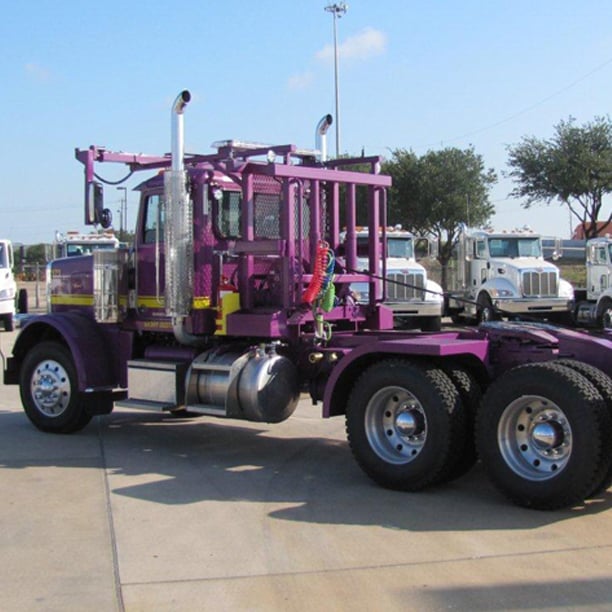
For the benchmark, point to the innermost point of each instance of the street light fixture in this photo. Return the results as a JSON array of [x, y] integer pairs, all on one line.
[[337, 10], [123, 212]]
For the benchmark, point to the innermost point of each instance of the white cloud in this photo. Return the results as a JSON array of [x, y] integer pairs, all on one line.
[[367, 43], [300, 81], [37, 72]]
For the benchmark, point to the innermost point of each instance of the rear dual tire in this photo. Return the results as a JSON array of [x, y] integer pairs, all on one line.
[[543, 435], [406, 424]]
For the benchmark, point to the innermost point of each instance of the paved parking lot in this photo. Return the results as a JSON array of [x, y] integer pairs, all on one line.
[[142, 511]]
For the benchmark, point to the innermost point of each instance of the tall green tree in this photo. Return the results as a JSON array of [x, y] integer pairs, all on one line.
[[573, 167], [438, 193]]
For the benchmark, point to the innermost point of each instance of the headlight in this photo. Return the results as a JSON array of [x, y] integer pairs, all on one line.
[[433, 297], [502, 293]]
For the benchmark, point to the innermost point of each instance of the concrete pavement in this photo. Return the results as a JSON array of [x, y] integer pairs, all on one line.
[[142, 511]]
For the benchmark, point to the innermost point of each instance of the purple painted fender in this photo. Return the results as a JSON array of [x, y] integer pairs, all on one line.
[[92, 350], [434, 346]]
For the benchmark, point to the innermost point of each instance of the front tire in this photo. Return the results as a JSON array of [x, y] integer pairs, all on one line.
[[485, 309], [541, 436], [604, 314], [49, 392], [405, 424]]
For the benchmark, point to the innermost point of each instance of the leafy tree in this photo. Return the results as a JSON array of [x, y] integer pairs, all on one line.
[[574, 167], [438, 193], [36, 254]]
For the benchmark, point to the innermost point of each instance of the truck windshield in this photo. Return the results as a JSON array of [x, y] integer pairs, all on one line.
[[400, 247], [75, 249], [515, 247]]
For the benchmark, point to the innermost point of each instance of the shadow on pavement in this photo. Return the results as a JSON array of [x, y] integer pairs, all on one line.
[[172, 461]]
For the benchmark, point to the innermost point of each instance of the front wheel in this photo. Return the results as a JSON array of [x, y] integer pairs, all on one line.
[[48, 388], [485, 309], [604, 314], [405, 424], [541, 436]]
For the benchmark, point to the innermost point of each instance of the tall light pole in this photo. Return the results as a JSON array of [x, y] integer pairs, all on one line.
[[123, 212], [337, 10]]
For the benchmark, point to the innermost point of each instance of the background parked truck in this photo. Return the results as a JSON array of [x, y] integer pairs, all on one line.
[[74, 243], [415, 299], [594, 303], [505, 273], [233, 303], [8, 286]]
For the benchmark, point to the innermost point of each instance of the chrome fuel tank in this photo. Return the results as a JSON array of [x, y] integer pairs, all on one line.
[[257, 385]]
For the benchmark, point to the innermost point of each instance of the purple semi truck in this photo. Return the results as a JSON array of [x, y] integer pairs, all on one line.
[[234, 301]]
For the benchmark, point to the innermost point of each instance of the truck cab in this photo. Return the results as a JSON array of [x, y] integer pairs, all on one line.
[[594, 303], [505, 274], [416, 300], [74, 244], [7, 285]]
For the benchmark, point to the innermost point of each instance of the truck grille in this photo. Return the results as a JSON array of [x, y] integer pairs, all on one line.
[[405, 287], [540, 284]]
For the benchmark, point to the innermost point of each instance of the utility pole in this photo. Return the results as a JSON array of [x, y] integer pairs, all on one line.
[[337, 10]]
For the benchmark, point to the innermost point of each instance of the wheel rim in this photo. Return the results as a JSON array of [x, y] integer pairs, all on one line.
[[535, 438], [50, 388], [486, 310], [606, 318], [486, 314], [396, 425]]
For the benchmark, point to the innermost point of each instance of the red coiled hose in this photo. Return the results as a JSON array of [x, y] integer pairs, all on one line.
[[318, 274]]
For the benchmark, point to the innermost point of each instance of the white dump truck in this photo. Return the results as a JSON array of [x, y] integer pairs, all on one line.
[[496, 274], [594, 303], [416, 300], [8, 286]]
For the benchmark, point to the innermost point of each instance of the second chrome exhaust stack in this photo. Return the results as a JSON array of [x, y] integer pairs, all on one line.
[[321, 135]]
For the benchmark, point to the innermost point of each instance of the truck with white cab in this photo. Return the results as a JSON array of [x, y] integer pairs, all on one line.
[[504, 274], [415, 299], [594, 303], [75, 243], [8, 287]]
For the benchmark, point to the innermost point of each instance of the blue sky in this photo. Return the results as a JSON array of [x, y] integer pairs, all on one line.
[[418, 75]]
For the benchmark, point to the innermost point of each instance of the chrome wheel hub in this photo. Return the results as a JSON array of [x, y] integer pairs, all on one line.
[[534, 437], [50, 388], [396, 425]]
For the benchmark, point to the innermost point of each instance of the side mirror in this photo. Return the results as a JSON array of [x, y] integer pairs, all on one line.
[[94, 202], [95, 213]]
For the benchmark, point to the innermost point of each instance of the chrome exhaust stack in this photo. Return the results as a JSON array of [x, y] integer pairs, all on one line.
[[178, 230], [321, 136]]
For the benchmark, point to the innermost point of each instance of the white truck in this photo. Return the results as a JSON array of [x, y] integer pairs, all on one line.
[[416, 300], [8, 286], [74, 243], [498, 274], [594, 304]]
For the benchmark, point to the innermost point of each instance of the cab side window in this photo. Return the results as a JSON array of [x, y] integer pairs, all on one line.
[[153, 229]]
